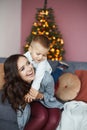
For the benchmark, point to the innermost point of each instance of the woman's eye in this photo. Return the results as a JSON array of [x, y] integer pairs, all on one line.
[[22, 69]]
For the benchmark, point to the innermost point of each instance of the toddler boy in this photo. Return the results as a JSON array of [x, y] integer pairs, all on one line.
[[37, 55]]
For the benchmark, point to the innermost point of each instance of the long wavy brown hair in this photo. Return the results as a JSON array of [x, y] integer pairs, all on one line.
[[14, 88]]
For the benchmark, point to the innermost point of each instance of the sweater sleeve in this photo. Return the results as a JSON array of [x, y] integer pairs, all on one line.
[[40, 71]]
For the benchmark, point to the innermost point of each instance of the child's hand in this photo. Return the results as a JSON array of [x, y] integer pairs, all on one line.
[[33, 92], [32, 95], [40, 96], [28, 98]]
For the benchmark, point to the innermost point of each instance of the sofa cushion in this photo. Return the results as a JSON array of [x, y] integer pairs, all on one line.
[[1, 75], [69, 86], [82, 95]]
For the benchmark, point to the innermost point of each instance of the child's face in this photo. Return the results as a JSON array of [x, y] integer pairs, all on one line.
[[25, 69], [38, 52]]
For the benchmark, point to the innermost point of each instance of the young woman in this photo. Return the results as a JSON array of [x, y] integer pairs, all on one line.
[[19, 74]]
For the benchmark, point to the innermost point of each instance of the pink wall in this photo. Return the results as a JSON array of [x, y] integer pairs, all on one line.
[[71, 18]]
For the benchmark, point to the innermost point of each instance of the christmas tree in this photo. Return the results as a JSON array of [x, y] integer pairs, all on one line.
[[45, 25]]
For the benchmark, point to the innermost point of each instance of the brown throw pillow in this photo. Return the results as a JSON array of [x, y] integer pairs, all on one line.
[[69, 86], [1, 75], [82, 95]]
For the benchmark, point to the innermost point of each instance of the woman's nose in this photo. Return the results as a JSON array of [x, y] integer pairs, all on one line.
[[29, 68]]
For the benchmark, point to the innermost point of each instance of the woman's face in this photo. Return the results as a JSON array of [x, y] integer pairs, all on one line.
[[25, 69]]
